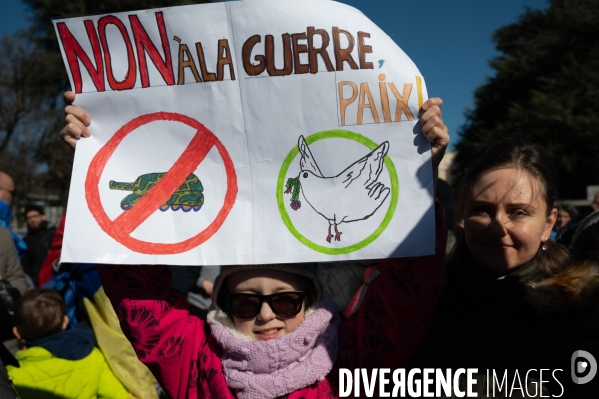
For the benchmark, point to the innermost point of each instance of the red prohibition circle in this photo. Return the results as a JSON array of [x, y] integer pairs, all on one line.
[[122, 226]]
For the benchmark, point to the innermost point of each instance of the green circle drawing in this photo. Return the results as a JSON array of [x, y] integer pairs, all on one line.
[[343, 134]]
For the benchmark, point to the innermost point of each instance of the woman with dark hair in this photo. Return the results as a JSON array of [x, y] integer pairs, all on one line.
[[516, 305]]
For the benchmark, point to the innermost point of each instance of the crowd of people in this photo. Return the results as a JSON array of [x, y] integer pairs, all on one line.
[[521, 294]]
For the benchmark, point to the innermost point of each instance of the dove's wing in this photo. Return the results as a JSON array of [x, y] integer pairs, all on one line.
[[366, 170], [354, 194], [307, 161]]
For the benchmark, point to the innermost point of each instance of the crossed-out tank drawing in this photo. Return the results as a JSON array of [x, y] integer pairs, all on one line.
[[190, 195]]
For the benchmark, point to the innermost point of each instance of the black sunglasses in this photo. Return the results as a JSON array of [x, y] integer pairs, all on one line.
[[283, 304]]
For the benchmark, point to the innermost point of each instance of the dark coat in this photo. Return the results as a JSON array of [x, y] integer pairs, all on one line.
[[8, 300], [6, 389], [510, 324], [38, 242], [10, 266]]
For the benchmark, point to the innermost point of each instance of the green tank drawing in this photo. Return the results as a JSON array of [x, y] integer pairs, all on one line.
[[189, 196]]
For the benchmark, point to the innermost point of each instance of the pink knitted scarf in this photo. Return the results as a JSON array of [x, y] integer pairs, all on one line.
[[277, 367]]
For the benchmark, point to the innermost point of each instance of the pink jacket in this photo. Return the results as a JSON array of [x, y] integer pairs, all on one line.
[[183, 356]]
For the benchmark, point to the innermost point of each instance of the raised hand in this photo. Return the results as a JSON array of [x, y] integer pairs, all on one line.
[[76, 122]]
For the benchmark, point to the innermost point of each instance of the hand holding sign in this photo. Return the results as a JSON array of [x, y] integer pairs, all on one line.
[[434, 130], [76, 121], [255, 82]]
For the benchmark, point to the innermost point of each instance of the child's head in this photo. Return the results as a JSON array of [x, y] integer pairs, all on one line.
[[39, 313], [565, 213], [267, 301], [506, 207]]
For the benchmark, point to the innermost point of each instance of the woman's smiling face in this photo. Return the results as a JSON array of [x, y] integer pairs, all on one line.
[[506, 219], [266, 324]]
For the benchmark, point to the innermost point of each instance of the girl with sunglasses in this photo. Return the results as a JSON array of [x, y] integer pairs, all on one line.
[[272, 332]]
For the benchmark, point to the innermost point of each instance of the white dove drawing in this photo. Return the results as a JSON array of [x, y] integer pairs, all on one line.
[[352, 195]]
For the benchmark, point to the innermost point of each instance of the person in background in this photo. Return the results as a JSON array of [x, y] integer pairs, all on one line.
[[12, 278], [566, 234], [7, 188], [595, 204], [6, 389], [51, 264], [10, 266], [8, 299], [13, 283], [57, 362], [39, 237], [585, 241], [7, 195], [199, 295], [516, 302], [565, 213]]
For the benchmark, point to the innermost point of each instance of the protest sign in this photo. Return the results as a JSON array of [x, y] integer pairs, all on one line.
[[245, 132]]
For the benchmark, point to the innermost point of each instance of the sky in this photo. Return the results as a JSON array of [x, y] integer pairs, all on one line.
[[449, 41]]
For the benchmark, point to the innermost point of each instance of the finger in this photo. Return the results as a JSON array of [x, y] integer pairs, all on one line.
[[434, 120], [436, 132], [68, 138], [77, 113], [438, 137], [68, 97], [433, 101], [72, 132], [71, 119], [433, 111]]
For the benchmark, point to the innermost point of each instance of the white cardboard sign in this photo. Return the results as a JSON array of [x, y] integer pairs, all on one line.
[[245, 133]]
